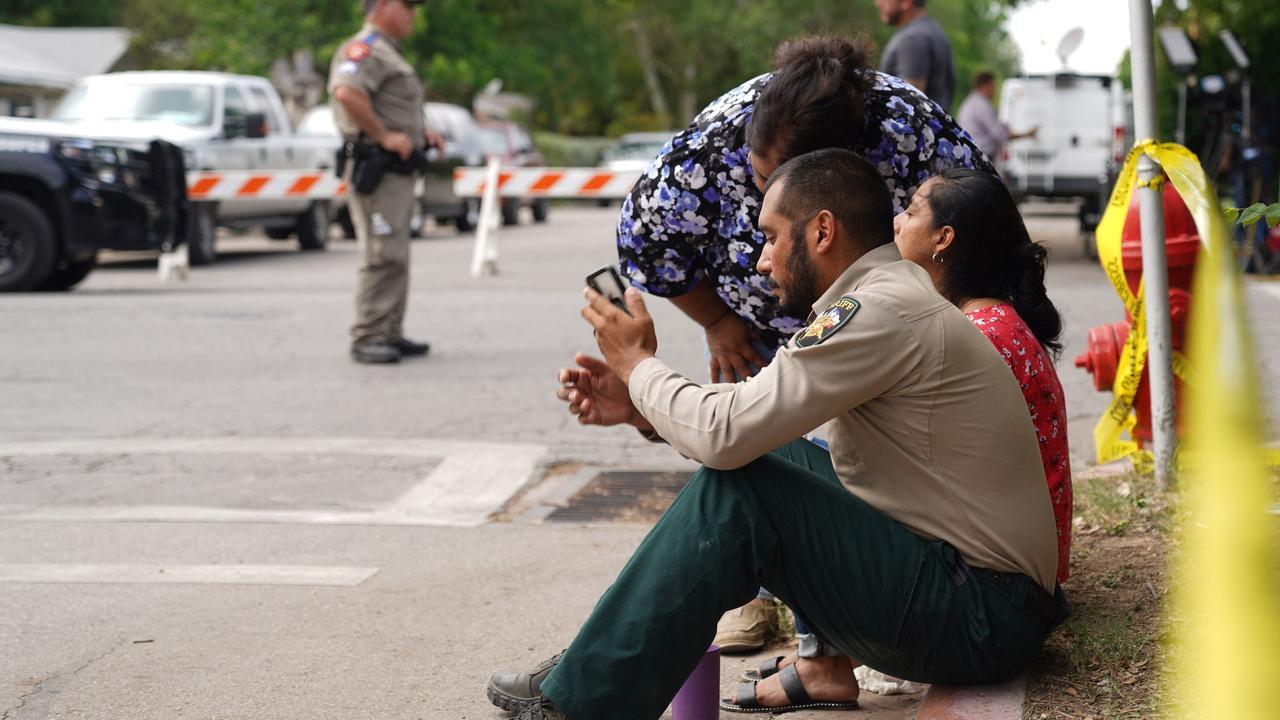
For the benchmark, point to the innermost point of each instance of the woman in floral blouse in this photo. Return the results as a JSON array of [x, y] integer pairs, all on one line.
[[692, 216]]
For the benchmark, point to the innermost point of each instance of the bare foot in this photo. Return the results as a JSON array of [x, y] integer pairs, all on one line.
[[826, 679]]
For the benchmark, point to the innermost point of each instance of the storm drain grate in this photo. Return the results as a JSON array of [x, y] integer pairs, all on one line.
[[622, 496]]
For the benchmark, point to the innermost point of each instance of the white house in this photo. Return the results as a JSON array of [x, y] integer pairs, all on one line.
[[39, 64]]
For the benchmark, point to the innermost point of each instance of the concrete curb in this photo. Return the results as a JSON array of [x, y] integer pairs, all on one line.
[[975, 702]]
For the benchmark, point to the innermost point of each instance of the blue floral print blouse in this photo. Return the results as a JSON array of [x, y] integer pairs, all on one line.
[[692, 215]]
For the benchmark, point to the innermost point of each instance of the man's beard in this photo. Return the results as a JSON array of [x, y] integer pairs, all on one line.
[[801, 291]]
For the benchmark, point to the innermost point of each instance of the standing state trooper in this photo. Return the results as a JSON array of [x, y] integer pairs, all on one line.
[[378, 109], [921, 545]]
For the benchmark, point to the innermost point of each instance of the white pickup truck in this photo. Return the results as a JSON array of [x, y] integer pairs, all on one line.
[[222, 122]]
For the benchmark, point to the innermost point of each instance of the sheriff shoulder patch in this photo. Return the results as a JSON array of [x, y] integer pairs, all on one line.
[[358, 51], [831, 320]]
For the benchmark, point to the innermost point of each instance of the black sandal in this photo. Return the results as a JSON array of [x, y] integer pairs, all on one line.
[[797, 697], [767, 668]]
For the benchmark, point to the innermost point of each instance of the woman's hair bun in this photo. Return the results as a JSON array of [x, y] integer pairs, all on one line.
[[827, 56]]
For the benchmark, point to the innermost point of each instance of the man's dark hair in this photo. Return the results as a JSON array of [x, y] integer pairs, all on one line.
[[815, 99], [843, 183], [369, 5], [983, 78]]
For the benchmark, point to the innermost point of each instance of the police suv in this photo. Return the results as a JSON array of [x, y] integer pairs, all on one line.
[[63, 198]]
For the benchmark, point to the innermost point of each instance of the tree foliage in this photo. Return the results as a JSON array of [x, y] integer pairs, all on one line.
[[592, 66]]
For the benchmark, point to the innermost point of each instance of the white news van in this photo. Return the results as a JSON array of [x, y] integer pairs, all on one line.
[[1083, 135]]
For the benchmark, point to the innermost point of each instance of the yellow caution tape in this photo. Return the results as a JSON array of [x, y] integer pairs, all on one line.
[[1225, 586], [1119, 419]]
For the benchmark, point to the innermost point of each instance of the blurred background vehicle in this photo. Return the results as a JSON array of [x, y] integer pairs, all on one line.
[[318, 129], [634, 151], [462, 147], [63, 198], [222, 122], [1083, 135], [514, 147]]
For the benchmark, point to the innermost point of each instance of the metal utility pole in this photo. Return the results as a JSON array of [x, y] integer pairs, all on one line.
[[1155, 266]]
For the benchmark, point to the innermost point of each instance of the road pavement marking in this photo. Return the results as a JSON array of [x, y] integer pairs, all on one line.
[[472, 481], [188, 574]]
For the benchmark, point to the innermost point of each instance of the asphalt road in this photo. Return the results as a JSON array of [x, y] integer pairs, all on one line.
[[208, 511]]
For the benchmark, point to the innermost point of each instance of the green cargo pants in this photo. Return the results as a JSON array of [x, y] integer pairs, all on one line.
[[876, 591]]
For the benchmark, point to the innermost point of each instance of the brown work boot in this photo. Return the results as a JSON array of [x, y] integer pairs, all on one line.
[[745, 629]]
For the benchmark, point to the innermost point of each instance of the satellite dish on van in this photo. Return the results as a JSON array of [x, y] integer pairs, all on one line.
[[1069, 44]]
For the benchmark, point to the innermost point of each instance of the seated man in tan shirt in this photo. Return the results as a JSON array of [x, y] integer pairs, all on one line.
[[922, 545]]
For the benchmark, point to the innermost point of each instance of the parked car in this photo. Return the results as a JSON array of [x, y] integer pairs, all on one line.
[[463, 148], [1081, 138], [64, 197], [514, 147], [223, 122], [318, 129], [633, 152]]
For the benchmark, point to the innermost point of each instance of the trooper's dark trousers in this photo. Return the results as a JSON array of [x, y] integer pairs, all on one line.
[[876, 591]]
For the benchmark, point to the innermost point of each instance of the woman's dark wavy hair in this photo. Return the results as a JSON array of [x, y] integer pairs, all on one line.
[[992, 254], [816, 98]]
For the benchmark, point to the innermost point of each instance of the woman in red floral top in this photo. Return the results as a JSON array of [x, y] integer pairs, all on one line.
[[964, 229]]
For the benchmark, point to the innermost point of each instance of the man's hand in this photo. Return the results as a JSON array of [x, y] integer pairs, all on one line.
[[626, 340], [435, 140], [398, 143], [597, 395], [732, 350]]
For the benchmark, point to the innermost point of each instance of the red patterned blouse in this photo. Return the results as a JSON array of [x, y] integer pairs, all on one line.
[[1033, 367]]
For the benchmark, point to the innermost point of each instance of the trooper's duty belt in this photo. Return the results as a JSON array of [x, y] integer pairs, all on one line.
[[370, 162]]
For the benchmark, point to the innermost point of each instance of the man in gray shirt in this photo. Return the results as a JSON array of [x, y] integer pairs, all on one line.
[[978, 117], [919, 52]]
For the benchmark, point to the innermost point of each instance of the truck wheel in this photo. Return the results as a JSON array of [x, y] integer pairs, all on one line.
[[313, 226], [27, 250], [511, 212], [540, 210], [470, 217], [201, 234], [69, 273]]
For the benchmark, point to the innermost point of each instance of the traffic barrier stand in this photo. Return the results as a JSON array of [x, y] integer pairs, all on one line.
[[174, 265], [484, 256]]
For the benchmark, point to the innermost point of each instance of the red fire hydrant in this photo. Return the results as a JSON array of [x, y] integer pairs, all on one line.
[[1182, 244]]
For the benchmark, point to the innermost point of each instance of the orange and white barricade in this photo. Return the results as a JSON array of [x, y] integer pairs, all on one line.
[[546, 182], [493, 182], [213, 185]]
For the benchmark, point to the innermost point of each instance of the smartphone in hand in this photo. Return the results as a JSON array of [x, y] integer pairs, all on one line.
[[607, 282]]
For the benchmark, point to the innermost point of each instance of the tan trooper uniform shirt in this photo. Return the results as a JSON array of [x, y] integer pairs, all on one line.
[[371, 61], [927, 423]]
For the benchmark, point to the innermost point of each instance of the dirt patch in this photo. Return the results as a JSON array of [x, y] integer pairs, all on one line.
[[1104, 661], [623, 496]]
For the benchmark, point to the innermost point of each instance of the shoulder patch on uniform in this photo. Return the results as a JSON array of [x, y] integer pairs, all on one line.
[[832, 319], [358, 51], [348, 68]]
